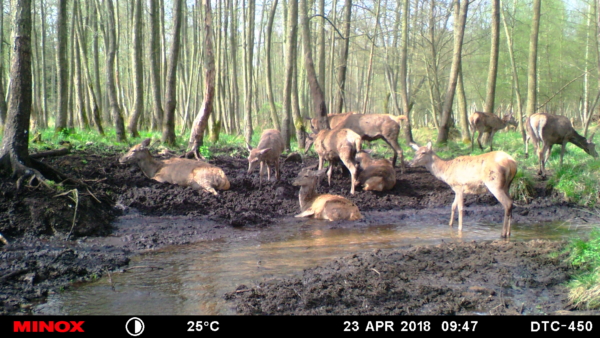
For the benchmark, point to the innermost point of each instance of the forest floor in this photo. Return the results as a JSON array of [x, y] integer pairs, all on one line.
[[495, 277]]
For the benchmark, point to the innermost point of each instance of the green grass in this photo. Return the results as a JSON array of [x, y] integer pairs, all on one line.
[[585, 287]]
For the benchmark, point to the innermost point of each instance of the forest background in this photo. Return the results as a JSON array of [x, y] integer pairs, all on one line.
[[106, 64]]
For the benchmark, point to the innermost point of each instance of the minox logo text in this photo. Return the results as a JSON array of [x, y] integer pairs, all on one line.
[[47, 326]]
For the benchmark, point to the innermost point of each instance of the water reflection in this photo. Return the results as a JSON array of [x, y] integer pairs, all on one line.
[[191, 280]]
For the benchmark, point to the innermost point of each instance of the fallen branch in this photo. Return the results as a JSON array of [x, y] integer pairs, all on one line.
[[55, 152]]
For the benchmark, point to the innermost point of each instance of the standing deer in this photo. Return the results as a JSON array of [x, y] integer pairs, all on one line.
[[180, 171], [378, 175], [370, 127], [324, 206], [472, 175], [334, 145], [488, 123], [267, 153], [550, 130]]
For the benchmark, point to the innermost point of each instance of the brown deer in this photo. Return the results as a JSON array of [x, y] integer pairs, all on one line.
[[335, 145], [267, 153], [550, 130], [378, 175], [370, 127], [488, 123], [180, 171], [472, 175], [322, 206]]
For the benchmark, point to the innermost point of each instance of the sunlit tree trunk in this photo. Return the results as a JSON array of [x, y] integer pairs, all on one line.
[[290, 61], [111, 51], [3, 107], [273, 109], [249, 57], [493, 67], [62, 84], [532, 64], [138, 75], [168, 135], [339, 102], [406, 106], [460, 18], [157, 108]]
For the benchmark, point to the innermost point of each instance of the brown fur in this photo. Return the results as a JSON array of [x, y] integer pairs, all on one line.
[[550, 130], [325, 206], [488, 123], [493, 171], [267, 153], [334, 145], [180, 171], [378, 175], [370, 127]]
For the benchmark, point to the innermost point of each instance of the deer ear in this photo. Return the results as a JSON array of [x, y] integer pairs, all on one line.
[[146, 142], [414, 146], [263, 151], [248, 146], [429, 145]]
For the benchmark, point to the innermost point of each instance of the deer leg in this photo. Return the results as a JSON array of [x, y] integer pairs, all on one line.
[[503, 196], [278, 170], [320, 162], [479, 140], [329, 171], [473, 137], [260, 172], [562, 152], [492, 141], [454, 206]]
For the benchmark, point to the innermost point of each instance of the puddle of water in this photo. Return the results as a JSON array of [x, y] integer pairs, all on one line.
[[191, 280]]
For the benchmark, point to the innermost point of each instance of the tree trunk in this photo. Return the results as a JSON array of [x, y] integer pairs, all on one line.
[[319, 105], [168, 135], [493, 68], [62, 68], [532, 64], [290, 61], [138, 75], [111, 51], [462, 108], [197, 136], [341, 74], [157, 108], [406, 106], [273, 109], [461, 8], [372, 53], [249, 57], [3, 107]]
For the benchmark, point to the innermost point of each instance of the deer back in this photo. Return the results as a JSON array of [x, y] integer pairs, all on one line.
[[269, 149]]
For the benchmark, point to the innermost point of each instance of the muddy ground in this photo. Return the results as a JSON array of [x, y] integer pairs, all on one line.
[[49, 250]]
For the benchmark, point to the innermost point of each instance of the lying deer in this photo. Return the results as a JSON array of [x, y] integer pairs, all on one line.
[[550, 130], [324, 206], [267, 153], [370, 127], [180, 171], [334, 145], [378, 175], [488, 123], [472, 175]]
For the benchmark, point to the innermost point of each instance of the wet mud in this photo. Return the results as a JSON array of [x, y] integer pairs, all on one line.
[[63, 236]]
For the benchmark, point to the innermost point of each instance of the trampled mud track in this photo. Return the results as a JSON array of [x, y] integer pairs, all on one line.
[[494, 277]]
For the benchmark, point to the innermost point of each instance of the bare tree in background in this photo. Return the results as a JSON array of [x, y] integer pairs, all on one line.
[[532, 67], [168, 136], [62, 67], [201, 121], [138, 75], [341, 73]]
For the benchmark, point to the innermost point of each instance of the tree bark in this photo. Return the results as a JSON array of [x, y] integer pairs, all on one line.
[[406, 106], [157, 108], [341, 73], [62, 68], [532, 63], [493, 67], [319, 105], [3, 107], [249, 57], [290, 60], [200, 122], [168, 136], [111, 51], [138, 75], [461, 8], [273, 109]]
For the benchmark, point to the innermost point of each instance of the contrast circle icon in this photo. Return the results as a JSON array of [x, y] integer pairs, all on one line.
[[134, 326]]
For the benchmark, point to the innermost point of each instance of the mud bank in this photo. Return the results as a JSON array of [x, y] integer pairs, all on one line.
[[40, 259]]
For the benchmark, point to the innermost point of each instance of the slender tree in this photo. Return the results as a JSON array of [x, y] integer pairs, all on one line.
[[273, 109], [406, 106], [248, 62], [62, 67], [138, 75], [494, 52], [290, 60], [532, 64], [3, 107], [168, 135], [461, 8], [201, 120], [341, 69], [111, 51]]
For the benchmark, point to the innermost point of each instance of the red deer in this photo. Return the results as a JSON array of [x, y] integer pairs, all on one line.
[[322, 206], [370, 127], [180, 171], [378, 175], [267, 153], [550, 130], [472, 175], [334, 145], [488, 123]]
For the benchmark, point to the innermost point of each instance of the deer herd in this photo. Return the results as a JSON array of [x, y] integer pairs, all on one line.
[[493, 171]]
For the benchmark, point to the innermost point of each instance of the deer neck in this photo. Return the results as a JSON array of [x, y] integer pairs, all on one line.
[[579, 141], [306, 196], [150, 166], [438, 167]]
